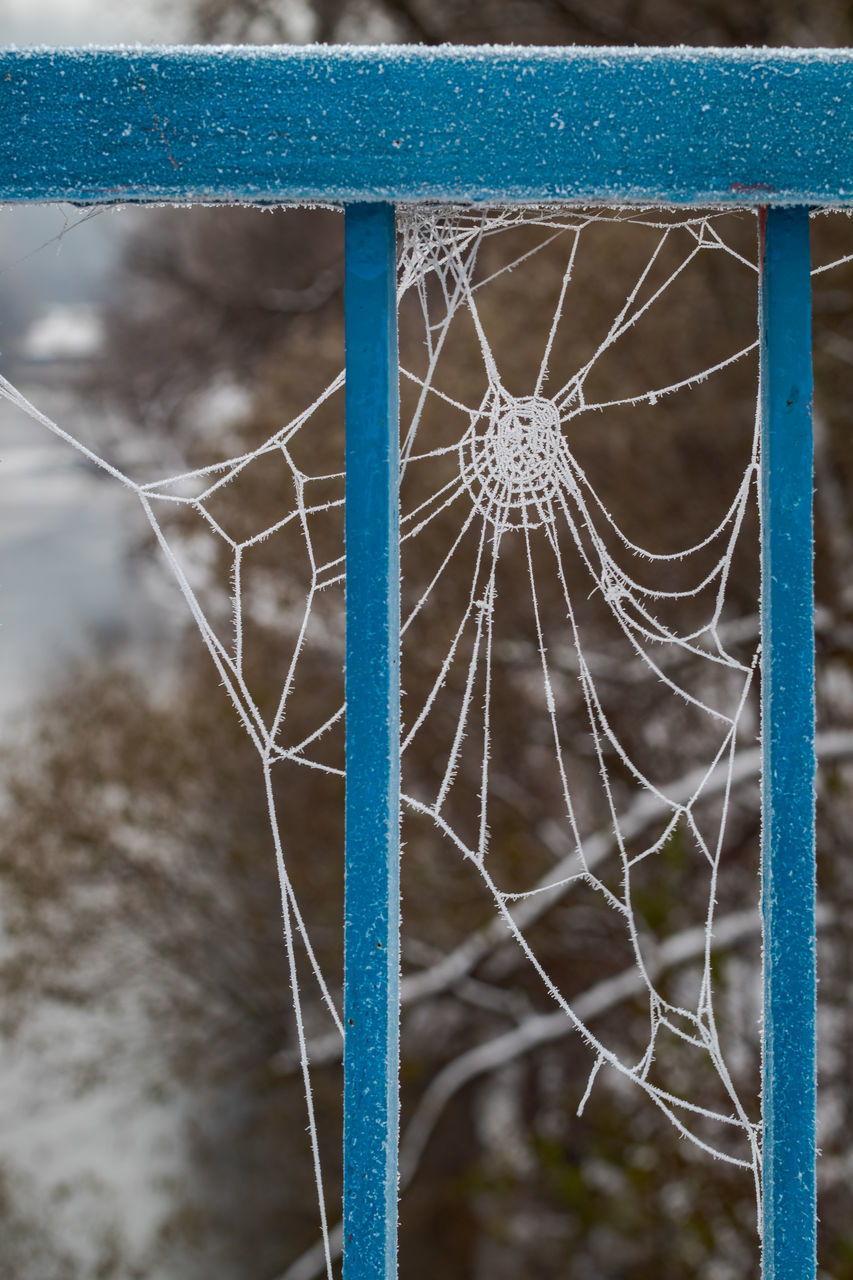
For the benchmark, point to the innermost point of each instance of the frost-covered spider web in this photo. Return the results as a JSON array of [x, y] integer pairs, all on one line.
[[555, 590], [574, 690]]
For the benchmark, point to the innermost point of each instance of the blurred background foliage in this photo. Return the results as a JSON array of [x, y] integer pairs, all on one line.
[[137, 873]]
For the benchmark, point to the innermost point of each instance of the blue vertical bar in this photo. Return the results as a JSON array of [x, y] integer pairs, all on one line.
[[787, 685], [372, 913]]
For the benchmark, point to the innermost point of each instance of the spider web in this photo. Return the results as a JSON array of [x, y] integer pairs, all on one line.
[[517, 489], [520, 590]]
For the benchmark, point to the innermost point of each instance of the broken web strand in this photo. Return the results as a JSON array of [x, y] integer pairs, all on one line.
[[449, 252], [209, 481]]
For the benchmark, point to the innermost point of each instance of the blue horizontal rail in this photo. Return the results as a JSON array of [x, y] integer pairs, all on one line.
[[678, 126]]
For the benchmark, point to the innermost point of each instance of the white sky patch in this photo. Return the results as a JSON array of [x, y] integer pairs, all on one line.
[[76, 22], [35, 22], [64, 333]]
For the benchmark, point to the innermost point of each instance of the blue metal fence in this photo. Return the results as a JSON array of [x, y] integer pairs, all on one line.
[[372, 913], [370, 128], [788, 795]]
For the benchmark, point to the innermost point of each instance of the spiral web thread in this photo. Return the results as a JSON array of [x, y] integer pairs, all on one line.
[[514, 482]]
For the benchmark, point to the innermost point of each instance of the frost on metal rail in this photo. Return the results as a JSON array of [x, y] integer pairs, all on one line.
[[503, 124], [371, 128]]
